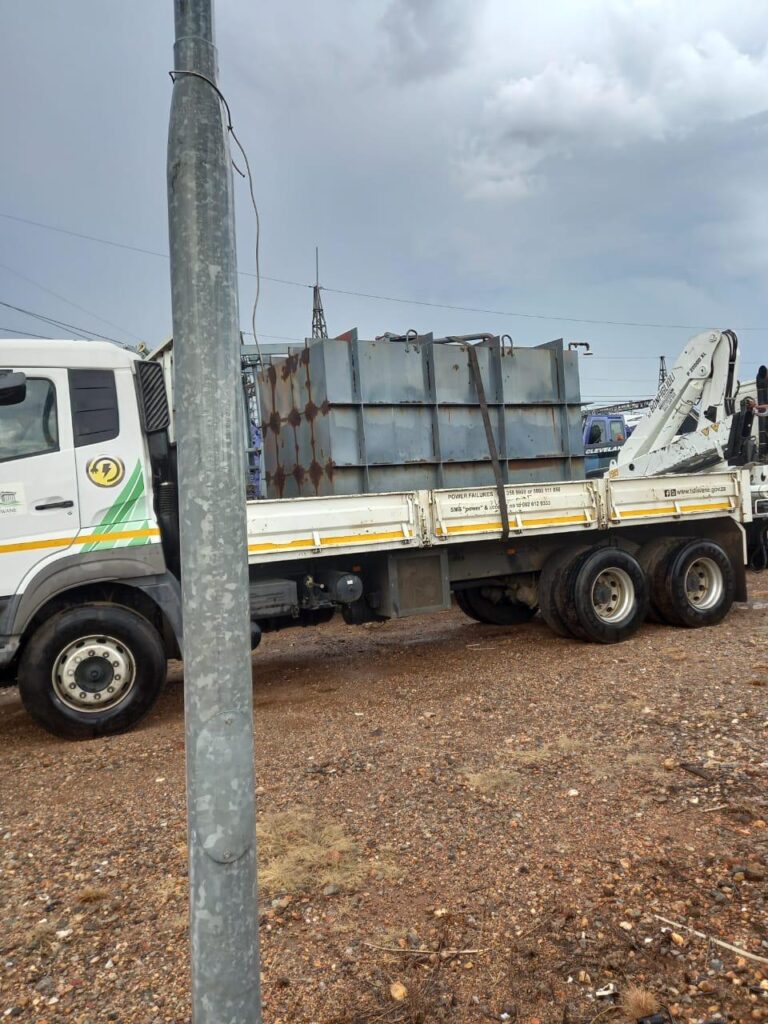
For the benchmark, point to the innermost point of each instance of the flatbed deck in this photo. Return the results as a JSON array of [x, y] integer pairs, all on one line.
[[292, 528]]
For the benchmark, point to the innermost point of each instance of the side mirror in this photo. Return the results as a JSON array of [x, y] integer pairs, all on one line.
[[13, 387]]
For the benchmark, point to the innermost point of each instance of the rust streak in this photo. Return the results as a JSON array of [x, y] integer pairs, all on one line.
[[316, 475]]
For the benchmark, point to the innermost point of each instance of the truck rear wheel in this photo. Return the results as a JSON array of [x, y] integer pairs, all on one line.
[[606, 598], [652, 558], [91, 670], [482, 608], [552, 582], [695, 585]]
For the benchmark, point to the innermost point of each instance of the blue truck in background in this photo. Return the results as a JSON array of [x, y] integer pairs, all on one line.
[[604, 432]]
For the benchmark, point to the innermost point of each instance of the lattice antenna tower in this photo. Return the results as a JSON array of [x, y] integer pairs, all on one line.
[[319, 327], [662, 369]]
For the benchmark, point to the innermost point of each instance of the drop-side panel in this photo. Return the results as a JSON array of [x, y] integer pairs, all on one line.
[[462, 515], [292, 528], [672, 498]]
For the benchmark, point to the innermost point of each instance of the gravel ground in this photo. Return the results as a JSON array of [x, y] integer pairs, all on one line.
[[458, 823]]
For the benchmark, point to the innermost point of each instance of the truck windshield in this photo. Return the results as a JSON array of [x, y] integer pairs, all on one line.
[[596, 432], [31, 427]]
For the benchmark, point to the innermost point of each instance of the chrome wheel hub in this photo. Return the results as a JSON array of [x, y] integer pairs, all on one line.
[[613, 595], [704, 584], [94, 673]]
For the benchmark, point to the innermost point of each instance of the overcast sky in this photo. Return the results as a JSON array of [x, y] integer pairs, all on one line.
[[595, 159]]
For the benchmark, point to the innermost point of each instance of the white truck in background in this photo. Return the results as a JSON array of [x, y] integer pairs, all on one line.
[[90, 605]]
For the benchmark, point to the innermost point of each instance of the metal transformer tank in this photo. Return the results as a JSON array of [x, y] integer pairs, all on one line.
[[348, 416]]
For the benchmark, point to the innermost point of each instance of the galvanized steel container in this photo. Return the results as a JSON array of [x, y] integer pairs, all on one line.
[[345, 416]]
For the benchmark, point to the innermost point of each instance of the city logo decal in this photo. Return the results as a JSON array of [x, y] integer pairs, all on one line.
[[105, 471], [9, 502]]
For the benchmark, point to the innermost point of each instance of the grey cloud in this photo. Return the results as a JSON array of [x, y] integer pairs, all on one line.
[[427, 38], [651, 82]]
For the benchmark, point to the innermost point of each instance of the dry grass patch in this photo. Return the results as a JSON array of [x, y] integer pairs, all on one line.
[[178, 923], [301, 851], [169, 888], [41, 936], [649, 761], [91, 894], [529, 757], [638, 1002], [495, 780], [640, 757]]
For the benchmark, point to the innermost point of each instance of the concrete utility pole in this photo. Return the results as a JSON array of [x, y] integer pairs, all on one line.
[[209, 429]]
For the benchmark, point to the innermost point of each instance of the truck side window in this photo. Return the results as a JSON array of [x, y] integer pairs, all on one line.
[[617, 431], [596, 433], [95, 417], [31, 427]]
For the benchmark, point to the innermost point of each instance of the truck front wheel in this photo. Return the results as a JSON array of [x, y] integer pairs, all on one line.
[[91, 670]]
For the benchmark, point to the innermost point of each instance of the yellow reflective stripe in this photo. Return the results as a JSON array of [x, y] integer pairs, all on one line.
[[539, 521], [118, 535], [353, 538], [671, 510], [83, 538], [34, 545]]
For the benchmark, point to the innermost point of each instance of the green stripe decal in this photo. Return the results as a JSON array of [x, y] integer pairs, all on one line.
[[137, 541], [120, 512]]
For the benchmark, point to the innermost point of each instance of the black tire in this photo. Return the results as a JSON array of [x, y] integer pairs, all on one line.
[[607, 596], [57, 652], [695, 585], [463, 603], [477, 606], [551, 583], [652, 558]]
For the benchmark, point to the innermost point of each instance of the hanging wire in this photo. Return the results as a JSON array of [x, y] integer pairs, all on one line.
[[249, 176]]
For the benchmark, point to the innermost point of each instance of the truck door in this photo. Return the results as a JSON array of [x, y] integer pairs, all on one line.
[[595, 439], [39, 512]]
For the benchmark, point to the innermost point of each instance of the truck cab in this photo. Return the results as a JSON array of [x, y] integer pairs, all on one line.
[[78, 530], [603, 434]]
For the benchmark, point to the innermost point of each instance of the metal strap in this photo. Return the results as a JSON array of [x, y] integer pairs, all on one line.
[[474, 367]]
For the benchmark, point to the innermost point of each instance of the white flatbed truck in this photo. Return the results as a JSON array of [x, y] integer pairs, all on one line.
[[90, 599]]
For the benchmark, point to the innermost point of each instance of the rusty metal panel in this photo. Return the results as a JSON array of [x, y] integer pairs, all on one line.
[[343, 416]]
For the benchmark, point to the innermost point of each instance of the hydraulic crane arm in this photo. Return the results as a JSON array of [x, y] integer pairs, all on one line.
[[704, 378]]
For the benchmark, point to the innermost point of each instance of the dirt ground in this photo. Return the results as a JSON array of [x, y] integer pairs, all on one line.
[[457, 823]]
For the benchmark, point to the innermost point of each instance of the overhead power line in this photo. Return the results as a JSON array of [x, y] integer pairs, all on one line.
[[134, 248], [530, 316], [15, 332], [558, 318], [69, 302], [80, 234], [80, 331]]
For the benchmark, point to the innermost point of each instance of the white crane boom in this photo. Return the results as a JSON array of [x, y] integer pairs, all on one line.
[[702, 383]]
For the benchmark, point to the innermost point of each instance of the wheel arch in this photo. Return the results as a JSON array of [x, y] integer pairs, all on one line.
[[156, 599]]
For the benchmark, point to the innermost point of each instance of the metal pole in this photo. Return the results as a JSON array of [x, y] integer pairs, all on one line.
[[209, 429]]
